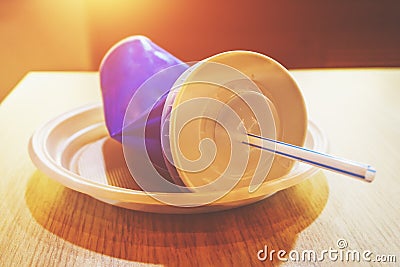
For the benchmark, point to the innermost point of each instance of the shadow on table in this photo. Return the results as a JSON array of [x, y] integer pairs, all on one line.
[[226, 237]]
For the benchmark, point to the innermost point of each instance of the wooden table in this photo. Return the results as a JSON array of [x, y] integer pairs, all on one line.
[[43, 223]]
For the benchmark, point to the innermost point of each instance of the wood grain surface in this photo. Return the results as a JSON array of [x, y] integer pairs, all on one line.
[[43, 223]]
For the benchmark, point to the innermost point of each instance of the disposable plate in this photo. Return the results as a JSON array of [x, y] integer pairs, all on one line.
[[75, 150]]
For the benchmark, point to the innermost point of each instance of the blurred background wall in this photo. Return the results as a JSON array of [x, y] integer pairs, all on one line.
[[41, 35], [75, 34]]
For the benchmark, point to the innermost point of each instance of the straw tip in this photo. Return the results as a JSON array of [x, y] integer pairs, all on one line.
[[370, 174]]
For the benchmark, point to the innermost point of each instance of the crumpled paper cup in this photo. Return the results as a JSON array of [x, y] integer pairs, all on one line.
[[141, 85]]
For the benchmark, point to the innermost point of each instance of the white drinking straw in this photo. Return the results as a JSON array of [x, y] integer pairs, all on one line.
[[357, 170]]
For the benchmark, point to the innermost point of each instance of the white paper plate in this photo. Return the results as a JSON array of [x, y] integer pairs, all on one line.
[[75, 150]]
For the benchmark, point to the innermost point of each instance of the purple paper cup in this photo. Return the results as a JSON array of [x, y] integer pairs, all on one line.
[[123, 70]]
